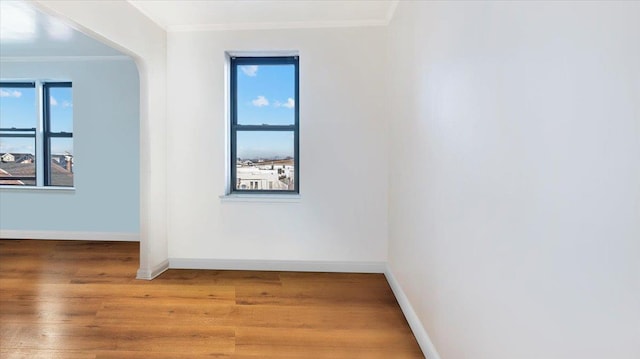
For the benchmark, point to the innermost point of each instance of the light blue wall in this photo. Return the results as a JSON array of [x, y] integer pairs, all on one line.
[[106, 138]]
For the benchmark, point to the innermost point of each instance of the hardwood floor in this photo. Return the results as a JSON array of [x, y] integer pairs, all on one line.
[[76, 299]]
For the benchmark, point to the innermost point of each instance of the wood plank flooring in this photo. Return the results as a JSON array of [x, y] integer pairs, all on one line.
[[77, 299]]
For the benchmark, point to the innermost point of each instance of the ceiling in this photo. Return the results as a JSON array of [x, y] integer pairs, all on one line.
[[189, 15], [28, 32]]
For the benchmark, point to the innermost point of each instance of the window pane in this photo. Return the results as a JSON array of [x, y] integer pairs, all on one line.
[[17, 107], [61, 109], [265, 95], [17, 118], [265, 160], [17, 159], [61, 162]]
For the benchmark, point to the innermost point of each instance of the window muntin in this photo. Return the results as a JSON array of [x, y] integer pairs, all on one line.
[[264, 125], [26, 137]]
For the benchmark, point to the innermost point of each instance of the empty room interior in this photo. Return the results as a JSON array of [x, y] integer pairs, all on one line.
[[320, 179]]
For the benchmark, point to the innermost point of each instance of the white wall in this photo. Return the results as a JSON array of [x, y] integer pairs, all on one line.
[[106, 123], [342, 215], [514, 203], [515, 176], [118, 24]]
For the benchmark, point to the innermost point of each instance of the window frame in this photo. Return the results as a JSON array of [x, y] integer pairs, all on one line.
[[46, 130], [235, 63], [42, 132]]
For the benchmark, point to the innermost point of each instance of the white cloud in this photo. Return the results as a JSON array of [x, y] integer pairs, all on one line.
[[66, 104], [290, 103], [53, 101], [260, 101], [250, 70], [14, 93]]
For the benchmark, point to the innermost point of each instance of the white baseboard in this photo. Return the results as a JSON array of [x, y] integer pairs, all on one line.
[[418, 329], [69, 235], [277, 265], [150, 273]]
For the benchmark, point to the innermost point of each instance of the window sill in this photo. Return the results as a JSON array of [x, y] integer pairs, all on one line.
[[9, 188], [261, 198]]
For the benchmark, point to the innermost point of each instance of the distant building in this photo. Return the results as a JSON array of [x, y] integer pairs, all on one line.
[[17, 157], [7, 157], [265, 177], [65, 161], [24, 158]]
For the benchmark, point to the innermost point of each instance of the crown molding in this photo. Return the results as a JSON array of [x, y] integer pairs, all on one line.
[[147, 15], [276, 25], [392, 10], [63, 58]]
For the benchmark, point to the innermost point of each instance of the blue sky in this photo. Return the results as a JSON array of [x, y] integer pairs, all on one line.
[[18, 109], [265, 96]]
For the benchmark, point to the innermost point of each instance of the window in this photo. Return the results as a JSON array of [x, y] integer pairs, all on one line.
[[58, 135], [36, 134], [264, 125], [18, 122]]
